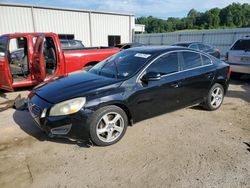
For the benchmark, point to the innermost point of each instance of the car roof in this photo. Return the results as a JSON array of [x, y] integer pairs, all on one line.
[[186, 43], [157, 49]]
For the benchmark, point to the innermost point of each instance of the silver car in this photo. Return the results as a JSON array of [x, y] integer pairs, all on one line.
[[238, 57]]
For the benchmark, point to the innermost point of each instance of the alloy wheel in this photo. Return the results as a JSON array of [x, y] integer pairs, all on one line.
[[110, 127], [216, 97]]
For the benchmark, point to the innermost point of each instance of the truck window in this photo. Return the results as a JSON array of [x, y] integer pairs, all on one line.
[[50, 56], [34, 40]]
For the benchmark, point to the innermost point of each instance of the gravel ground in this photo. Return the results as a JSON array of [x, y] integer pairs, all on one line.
[[186, 148]]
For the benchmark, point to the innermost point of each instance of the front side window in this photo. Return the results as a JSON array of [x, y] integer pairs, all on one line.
[[121, 65], [191, 60], [166, 64]]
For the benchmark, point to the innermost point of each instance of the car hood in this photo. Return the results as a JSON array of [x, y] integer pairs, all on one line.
[[75, 85]]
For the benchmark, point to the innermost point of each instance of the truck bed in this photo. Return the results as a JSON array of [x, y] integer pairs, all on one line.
[[88, 48]]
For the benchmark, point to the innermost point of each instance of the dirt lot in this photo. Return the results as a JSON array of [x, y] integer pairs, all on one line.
[[187, 148]]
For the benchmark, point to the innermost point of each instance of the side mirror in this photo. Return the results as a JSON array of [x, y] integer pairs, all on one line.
[[151, 76]]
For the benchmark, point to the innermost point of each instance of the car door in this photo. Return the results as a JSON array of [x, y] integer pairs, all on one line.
[[199, 74], [5, 74], [159, 96], [38, 67]]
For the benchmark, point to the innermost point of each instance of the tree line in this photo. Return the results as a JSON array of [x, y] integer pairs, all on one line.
[[235, 15]]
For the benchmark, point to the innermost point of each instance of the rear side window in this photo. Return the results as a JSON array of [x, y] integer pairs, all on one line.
[[165, 65], [201, 47], [206, 60], [191, 60], [241, 45]]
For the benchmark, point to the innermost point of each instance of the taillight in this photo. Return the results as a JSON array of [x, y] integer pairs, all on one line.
[[229, 72], [226, 57]]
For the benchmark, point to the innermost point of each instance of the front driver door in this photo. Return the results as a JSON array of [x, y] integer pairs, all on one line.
[[38, 60], [5, 74], [159, 96]]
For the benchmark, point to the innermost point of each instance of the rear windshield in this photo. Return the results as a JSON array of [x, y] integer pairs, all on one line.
[[242, 45], [3, 44]]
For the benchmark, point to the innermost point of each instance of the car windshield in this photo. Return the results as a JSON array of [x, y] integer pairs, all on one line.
[[121, 65], [3, 44], [242, 45]]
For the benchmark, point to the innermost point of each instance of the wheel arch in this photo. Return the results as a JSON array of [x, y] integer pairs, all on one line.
[[123, 107], [91, 63], [221, 80]]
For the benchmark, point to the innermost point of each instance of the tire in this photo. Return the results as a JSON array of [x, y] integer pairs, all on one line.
[[108, 125], [214, 98]]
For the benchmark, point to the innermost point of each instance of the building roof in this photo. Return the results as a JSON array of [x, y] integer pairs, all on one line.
[[63, 9]]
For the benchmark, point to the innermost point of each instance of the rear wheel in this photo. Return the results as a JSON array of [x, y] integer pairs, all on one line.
[[108, 125], [214, 98]]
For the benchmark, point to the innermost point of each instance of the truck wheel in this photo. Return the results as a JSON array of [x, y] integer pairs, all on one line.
[[108, 125], [214, 98]]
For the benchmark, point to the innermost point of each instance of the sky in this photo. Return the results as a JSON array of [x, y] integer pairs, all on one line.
[[157, 8]]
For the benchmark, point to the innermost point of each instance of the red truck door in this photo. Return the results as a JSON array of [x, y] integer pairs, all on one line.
[[38, 60], [5, 74]]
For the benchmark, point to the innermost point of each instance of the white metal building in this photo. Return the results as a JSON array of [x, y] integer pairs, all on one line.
[[93, 28]]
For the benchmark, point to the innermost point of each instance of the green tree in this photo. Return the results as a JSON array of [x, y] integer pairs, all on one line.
[[234, 15]]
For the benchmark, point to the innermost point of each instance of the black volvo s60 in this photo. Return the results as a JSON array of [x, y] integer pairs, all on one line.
[[130, 86]]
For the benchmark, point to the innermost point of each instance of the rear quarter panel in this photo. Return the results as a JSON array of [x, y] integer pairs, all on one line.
[[222, 75]]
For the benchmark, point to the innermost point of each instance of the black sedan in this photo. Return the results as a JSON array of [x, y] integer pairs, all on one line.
[[128, 87], [200, 46]]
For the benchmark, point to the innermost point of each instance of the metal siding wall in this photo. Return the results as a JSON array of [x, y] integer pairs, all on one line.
[[15, 19], [63, 22], [109, 25], [221, 39]]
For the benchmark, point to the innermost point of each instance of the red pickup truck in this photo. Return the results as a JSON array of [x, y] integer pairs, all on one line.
[[27, 59]]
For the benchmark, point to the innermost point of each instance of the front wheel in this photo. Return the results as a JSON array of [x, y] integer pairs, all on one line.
[[214, 98], [108, 125]]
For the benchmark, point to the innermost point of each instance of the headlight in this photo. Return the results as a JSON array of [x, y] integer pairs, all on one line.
[[67, 107]]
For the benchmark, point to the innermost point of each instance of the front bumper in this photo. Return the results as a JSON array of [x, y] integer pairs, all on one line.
[[74, 126], [240, 68]]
